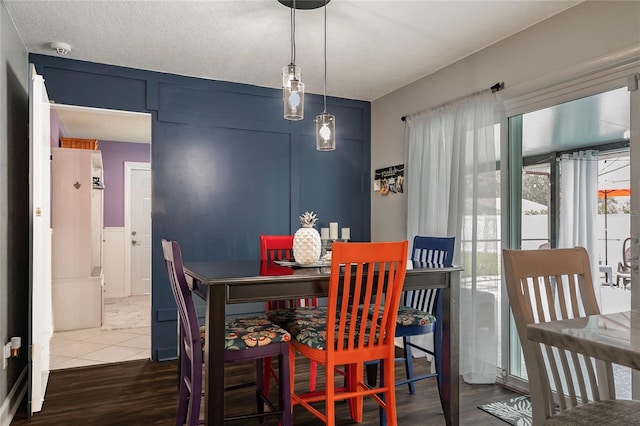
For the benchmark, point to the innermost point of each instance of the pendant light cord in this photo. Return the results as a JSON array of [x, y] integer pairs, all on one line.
[[293, 33], [325, 57]]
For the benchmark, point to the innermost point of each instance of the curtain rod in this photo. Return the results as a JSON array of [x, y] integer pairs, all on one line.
[[495, 88]]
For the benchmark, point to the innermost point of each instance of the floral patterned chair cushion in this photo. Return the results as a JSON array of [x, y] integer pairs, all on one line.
[[306, 325], [408, 316], [246, 333]]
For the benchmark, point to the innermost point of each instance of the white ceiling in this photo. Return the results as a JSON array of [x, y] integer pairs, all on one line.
[[104, 124], [374, 47]]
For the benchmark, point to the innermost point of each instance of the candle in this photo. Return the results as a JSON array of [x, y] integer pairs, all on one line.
[[324, 233], [346, 233], [333, 230]]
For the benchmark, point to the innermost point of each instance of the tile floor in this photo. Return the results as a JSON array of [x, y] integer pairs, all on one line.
[[113, 342]]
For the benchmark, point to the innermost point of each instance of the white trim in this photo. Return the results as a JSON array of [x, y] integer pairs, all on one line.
[[588, 78], [129, 166], [15, 397]]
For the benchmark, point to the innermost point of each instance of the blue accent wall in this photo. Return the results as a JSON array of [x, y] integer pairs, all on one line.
[[226, 167]]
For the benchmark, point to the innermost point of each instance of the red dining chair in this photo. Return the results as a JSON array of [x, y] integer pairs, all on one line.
[[272, 248], [359, 326], [254, 338]]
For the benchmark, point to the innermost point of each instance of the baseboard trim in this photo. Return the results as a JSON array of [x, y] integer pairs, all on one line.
[[11, 404]]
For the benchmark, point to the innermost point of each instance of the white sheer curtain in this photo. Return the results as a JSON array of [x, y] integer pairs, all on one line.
[[452, 185], [579, 205]]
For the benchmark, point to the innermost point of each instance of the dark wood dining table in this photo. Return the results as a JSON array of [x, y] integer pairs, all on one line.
[[226, 282], [609, 337]]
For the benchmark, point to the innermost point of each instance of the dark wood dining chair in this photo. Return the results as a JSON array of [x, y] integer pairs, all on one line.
[[567, 388], [272, 248], [252, 338], [358, 326]]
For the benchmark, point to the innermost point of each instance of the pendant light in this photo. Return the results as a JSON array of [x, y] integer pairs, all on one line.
[[292, 85], [325, 122]]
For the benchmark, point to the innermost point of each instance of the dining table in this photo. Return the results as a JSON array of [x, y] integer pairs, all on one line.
[[246, 281], [613, 337]]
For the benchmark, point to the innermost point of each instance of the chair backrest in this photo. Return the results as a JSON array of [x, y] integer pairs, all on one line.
[[280, 247], [363, 300], [276, 247], [434, 252], [626, 252], [547, 285], [189, 326]]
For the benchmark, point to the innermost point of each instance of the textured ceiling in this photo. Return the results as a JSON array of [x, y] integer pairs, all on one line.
[[374, 47]]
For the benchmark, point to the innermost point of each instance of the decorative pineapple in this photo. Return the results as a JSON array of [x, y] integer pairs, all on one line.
[[306, 241]]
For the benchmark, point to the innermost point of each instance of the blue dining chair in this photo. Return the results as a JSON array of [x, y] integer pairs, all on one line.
[[430, 252], [251, 338], [419, 312]]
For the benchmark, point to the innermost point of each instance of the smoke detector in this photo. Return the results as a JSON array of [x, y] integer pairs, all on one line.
[[60, 47]]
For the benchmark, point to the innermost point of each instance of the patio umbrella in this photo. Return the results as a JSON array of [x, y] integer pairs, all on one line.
[[608, 193]]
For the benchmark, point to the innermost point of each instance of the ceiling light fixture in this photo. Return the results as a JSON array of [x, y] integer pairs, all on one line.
[[292, 85], [325, 122], [60, 47]]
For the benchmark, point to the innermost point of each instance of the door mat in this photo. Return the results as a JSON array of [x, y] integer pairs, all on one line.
[[515, 411]]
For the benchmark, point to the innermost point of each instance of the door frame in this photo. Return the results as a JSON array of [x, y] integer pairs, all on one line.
[[129, 166], [40, 281], [599, 75]]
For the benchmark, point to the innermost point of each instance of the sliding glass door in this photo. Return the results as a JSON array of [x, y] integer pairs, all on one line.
[[591, 133]]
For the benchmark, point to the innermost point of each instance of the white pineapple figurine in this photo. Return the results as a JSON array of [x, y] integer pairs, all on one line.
[[306, 241]]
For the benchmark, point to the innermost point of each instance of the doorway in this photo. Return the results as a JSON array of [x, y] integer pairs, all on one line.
[[125, 334]]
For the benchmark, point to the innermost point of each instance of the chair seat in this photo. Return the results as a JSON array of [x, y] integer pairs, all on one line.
[[284, 316], [599, 413], [251, 332], [307, 325], [408, 316]]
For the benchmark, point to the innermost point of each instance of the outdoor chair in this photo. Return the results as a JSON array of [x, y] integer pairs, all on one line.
[[624, 268]]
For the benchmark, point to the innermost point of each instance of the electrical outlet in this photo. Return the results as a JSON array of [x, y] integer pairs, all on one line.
[[6, 355]]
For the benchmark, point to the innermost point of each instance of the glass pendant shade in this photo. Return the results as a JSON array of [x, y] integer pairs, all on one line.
[[325, 132], [292, 93]]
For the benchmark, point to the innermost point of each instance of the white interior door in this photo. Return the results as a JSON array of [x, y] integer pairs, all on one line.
[[41, 317], [139, 229]]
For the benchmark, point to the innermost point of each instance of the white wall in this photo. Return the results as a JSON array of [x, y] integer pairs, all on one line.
[[113, 262], [577, 35]]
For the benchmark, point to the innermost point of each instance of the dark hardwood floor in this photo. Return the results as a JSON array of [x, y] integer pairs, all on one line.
[[144, 393]]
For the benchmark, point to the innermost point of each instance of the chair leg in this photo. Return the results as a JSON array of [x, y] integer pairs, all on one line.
[[408, 364], [260, 386], [390, 394], [330, 401], [437, 349], [266, 375], [183, 403], [284, 388], [372, 373], [292, 370], [313, 368], [183, 392]]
